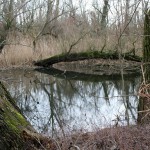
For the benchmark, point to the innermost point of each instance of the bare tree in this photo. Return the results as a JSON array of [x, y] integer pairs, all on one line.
[[126, 18], [104, 15], [14, 16], [8, 21], [146, 41]]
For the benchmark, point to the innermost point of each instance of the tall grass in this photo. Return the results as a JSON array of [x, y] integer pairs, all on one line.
[[19, 49]]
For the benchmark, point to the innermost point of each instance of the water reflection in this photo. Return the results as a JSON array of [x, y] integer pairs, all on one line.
[[58, 102]]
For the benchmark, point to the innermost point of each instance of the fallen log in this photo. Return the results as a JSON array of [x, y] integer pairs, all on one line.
[[72, 75], [65, 57], [15, 131]]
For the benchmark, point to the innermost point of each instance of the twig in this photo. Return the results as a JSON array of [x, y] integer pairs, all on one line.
[[144, 81], [76, 42], [58, 146], [142, 111]]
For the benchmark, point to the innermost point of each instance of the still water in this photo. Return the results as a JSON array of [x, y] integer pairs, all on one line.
[[57, 102]]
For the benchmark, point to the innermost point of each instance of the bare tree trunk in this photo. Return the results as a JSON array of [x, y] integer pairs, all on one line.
[[49, 10], [126, 21], [144, 100], [12, 123], [135, 18], [104, 15], [146, 40], [56, 10], [15, 131], [8, 10], [52, 14], [8, 21]]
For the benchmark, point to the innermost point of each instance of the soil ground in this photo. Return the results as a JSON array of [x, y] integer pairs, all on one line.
[[118, 138], [101, 66]]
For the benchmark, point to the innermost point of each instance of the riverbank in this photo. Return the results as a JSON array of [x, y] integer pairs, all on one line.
[[120, 138], [101, 66], [117, 138], [114, 138], [90, 66]]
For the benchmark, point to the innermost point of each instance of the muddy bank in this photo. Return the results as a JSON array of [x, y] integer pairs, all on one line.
[[101, 66], [117, 138], [120, 138], [91, 66]]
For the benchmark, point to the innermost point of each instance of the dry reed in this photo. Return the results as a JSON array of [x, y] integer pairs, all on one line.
[[19, 50]]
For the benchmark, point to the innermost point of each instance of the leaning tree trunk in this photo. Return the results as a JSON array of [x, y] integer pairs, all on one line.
[[11, 122], [146, 40], [144, 92], [144, 99], [69, 57], [15, 131]]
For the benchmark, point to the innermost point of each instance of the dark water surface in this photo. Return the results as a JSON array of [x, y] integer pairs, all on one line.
[[56, 102]]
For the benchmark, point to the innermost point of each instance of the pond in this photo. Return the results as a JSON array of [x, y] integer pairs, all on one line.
[[57, 102]]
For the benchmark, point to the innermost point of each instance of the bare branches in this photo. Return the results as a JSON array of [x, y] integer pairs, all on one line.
[[76, 42]]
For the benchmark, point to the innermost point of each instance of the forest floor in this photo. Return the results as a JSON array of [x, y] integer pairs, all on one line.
[[118, 138]]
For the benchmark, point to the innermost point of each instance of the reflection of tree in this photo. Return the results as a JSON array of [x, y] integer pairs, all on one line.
[[56, 105], [69, 102], [127, 103], [106, 90], [125, 89]]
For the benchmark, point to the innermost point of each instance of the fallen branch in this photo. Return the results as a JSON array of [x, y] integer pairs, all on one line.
[[69, 57]]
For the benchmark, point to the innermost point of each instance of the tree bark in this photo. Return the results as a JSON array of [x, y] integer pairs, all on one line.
[[144, 92], [126, 21], [144, 99], [69, 57], [146, 40], [16, 132], [104, 14], [8, 22]]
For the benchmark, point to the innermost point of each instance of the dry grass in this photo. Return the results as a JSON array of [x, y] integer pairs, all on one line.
[[120, 138], [19, 51]]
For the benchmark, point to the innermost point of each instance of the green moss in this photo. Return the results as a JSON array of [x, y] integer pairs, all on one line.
[[13, 118], [11, 125], [68, 57], [12, 122]]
